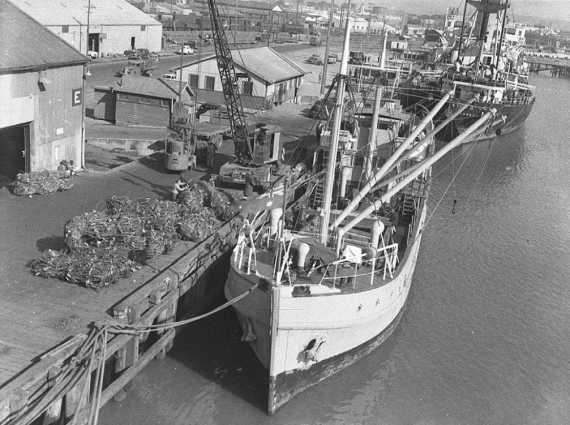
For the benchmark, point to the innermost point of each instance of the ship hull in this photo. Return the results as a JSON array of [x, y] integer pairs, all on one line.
[[515, 117], [302, 340]]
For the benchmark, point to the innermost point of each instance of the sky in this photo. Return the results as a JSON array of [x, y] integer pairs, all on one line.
[[542, 10]]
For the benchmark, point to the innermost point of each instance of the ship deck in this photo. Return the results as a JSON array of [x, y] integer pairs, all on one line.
[[347, 278]]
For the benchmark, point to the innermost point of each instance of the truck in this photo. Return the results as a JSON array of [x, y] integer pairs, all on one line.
[[140, 66], [263, 37], [315, 40], [356, 58]]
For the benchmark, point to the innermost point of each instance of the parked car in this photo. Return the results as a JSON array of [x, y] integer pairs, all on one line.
[[315, 60], [333, 58], [168, 76], [93, 54], [187, 50]]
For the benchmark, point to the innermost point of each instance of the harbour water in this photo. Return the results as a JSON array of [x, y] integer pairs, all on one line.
[[485, 338]]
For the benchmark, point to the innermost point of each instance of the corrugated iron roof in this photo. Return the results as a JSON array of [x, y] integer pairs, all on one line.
[[147, 86], [263, 62], [74, 12], [267, 64], [26, 44]]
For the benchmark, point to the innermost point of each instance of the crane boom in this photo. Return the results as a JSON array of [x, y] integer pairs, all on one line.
[[230, 87]]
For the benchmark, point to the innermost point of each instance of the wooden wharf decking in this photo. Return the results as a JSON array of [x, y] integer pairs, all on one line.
[[44, 321], [30, 364]]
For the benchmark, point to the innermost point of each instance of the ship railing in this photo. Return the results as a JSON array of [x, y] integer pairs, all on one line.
[[348, 269], [245, 246], [412, 224]]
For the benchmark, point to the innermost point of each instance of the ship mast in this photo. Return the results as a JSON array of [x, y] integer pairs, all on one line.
[[331, 165]]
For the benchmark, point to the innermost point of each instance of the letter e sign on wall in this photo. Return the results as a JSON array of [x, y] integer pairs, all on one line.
[[76, 97]]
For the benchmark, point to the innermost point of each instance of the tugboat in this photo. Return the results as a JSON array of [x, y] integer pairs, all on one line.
[[322, 282]]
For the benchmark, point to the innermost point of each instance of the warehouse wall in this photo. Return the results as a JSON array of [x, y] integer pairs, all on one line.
[[133, 112], [117, 37], [53, 110]]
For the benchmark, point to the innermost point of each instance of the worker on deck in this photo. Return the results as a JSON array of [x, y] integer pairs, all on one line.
[[319, 132]]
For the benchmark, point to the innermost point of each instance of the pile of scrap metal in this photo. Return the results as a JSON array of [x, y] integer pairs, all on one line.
[[41, 183], [102, 247]]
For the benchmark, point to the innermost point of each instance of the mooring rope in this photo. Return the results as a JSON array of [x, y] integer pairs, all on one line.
[[96, 342]]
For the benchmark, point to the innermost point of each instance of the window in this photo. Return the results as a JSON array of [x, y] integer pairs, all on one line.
[[193, 80], [144, 100], [65, 29], [247, 88], [143, 27], [209, 83]]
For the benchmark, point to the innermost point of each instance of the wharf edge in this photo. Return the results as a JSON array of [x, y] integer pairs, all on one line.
[[181, 284]]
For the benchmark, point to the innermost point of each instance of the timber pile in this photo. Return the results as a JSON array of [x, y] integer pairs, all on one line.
[[103, 247], [41, 183]]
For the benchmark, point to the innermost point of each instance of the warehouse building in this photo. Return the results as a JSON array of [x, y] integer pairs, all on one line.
[[266, 78], [114, 26], [41, 93]]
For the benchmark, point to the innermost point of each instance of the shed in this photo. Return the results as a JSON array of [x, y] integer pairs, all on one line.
[[104, 99], [267, 77], [149, 101]]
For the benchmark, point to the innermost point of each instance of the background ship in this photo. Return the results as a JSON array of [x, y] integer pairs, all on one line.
[[481, 62]]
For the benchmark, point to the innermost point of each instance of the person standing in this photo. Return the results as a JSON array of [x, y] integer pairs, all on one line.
[[210, 155], [249, 184], [319, 131]]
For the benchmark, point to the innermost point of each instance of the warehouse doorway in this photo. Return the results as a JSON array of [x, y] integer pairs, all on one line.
[[14, 150]]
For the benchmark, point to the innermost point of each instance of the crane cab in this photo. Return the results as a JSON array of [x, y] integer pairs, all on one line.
[[266, 144], [267, 148]]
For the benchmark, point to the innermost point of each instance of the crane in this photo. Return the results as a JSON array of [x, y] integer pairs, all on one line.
[[225, 61], [257, 147]]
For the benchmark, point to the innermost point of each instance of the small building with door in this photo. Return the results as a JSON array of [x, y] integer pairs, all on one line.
[[114, 26], [142, 101], [266, 78], [41, 96]]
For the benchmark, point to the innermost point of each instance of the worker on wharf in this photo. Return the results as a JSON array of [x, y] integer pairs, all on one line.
[[210, 155], [180, 186], [250, 182]]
